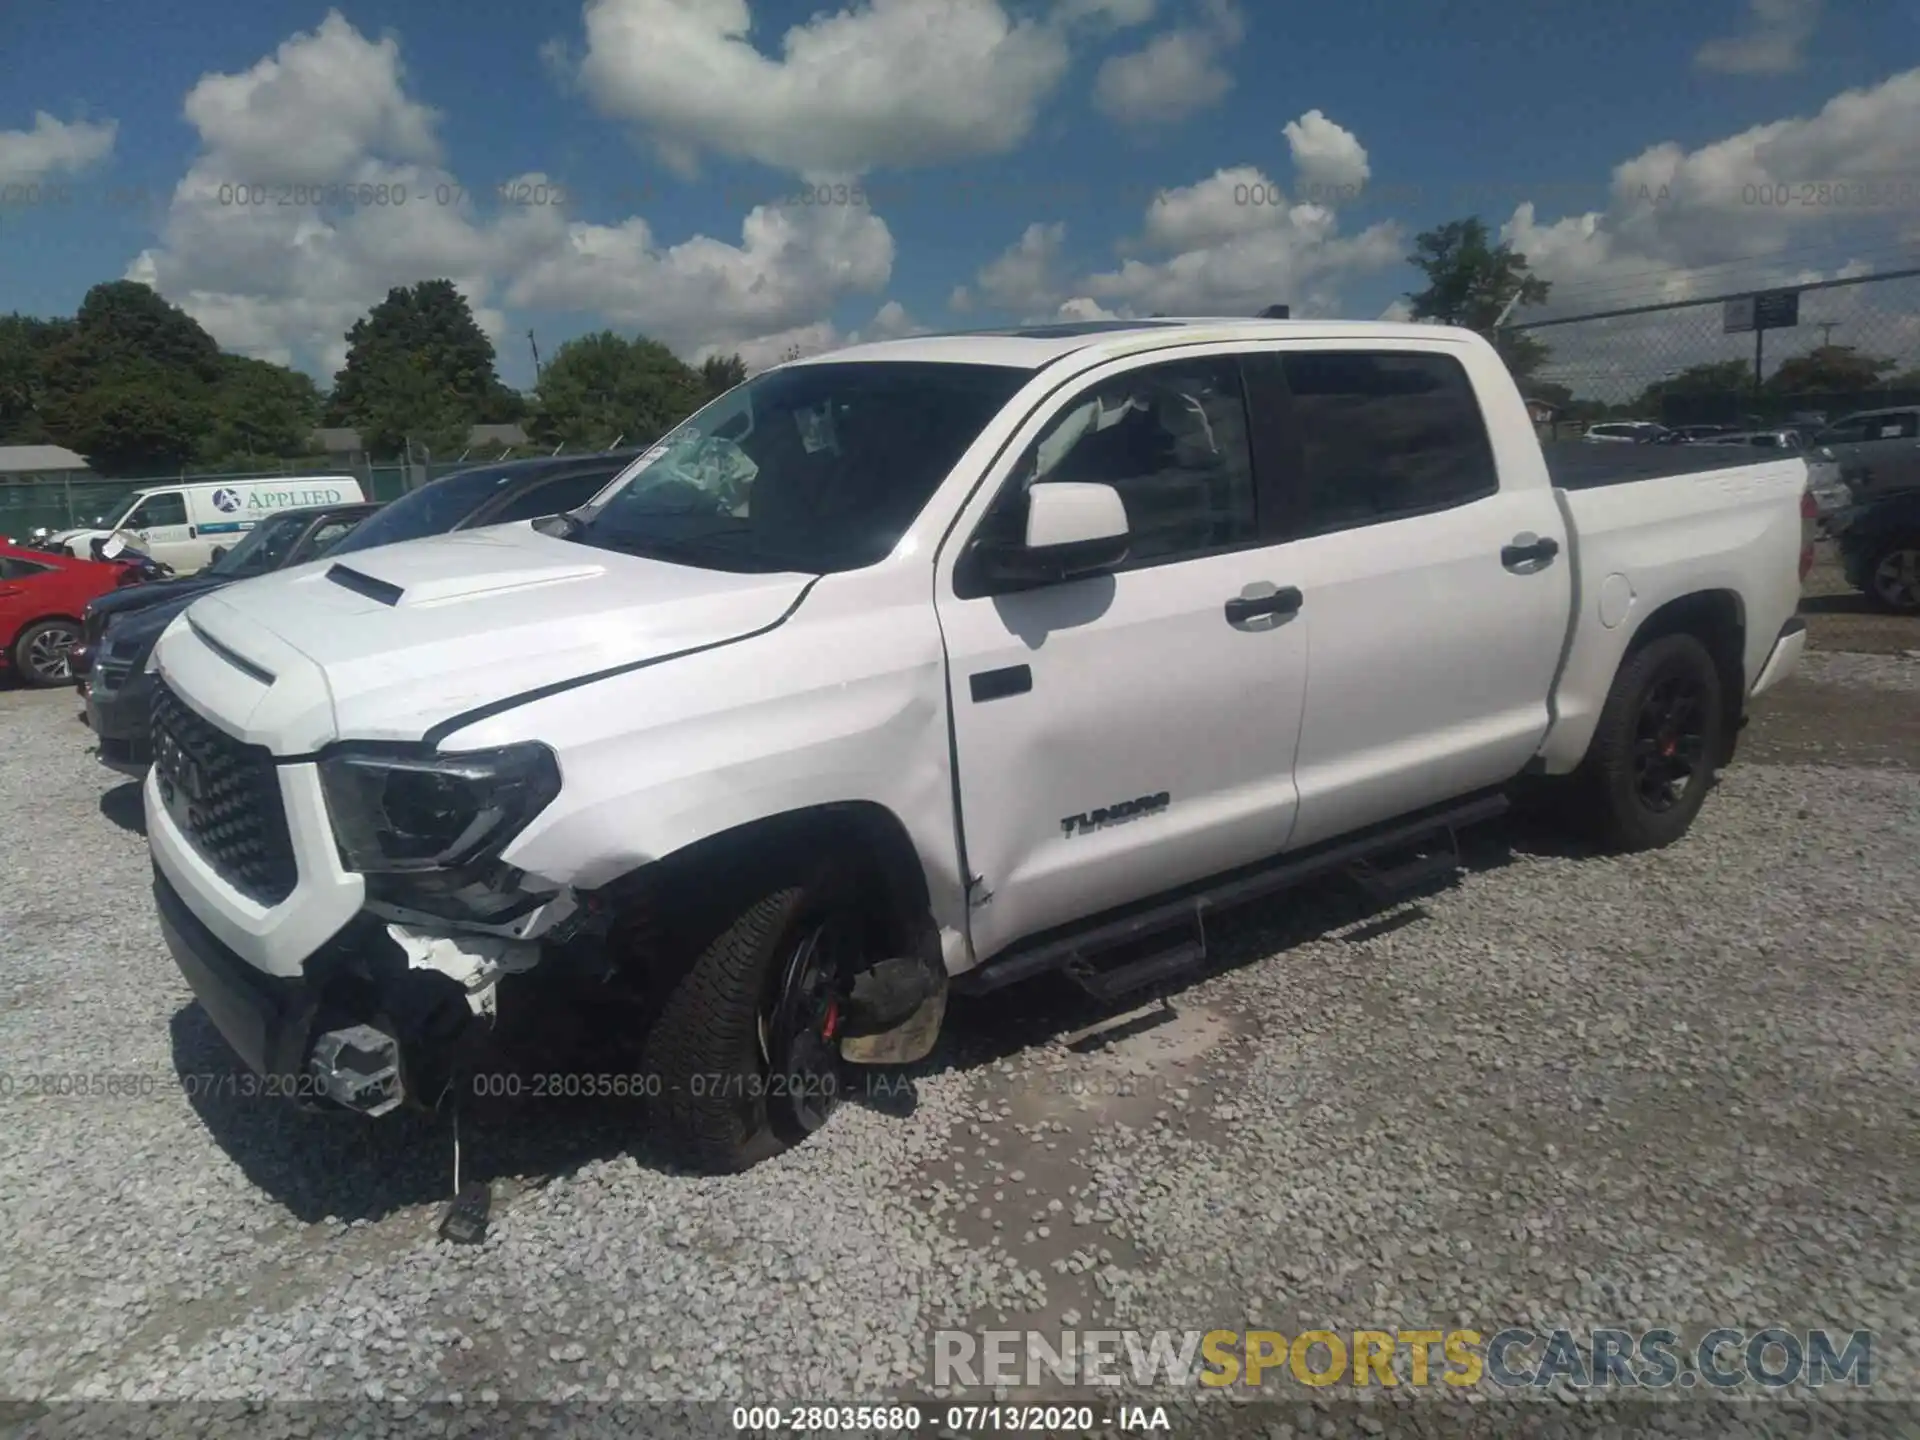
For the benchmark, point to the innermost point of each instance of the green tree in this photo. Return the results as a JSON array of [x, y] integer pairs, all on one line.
[[720, 373], [25, 342], [600, 388], [449, 365], [1829, 370], [408, 405], [128, 386], [1715, 377], [258, 411], [1473, 282], [136, 418]]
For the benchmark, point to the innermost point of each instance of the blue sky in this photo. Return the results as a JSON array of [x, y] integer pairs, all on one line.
[[1013, 150]]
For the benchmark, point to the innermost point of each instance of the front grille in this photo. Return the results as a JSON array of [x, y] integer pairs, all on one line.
[[226, 796]]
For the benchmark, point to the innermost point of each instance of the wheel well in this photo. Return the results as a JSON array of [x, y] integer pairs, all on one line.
[[887, 872], [1718, 620]]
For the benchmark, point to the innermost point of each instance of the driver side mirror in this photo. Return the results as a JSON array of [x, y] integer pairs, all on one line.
[[1074, 529]]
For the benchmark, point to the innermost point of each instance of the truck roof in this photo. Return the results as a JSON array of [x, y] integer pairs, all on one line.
[[1029, 347]]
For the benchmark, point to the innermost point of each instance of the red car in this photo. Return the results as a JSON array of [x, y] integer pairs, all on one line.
[[41, 597]]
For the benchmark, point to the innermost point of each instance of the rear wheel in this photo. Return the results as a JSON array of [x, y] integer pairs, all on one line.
[[1653, 754], [40, 653], [1893, 576], [746, 1045]]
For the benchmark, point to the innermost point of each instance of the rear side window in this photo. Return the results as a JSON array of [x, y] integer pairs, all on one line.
[[1384, 434], [12, 569]]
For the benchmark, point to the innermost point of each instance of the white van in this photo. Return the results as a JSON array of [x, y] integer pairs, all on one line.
[[179, 525]]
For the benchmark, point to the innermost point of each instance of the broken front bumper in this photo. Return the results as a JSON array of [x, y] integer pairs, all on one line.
[[360, 1028]]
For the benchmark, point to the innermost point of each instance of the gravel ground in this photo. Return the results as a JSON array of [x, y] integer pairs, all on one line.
[[1674, 1089]]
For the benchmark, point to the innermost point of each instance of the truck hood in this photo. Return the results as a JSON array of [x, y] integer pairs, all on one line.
[[386, 644]]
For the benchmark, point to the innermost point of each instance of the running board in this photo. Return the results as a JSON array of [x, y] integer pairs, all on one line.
[[1389, 861]]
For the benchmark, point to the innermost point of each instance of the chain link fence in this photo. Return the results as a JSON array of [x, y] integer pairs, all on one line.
[[1856, 346]]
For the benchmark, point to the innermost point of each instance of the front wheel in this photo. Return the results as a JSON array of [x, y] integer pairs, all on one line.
[[1653, 753], [40, 655], [746, 1046], [1893, 576]]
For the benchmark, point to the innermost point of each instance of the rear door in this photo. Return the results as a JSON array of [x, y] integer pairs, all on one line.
[[1437, 600], [1123, 734]]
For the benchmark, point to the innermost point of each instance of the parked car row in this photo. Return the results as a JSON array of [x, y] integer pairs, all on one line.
[[118, 631]]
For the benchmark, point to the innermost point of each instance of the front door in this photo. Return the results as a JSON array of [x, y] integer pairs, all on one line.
[[161, 522], [1127, 733]]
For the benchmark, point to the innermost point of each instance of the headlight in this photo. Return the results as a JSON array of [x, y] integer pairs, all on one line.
[[395, 809]]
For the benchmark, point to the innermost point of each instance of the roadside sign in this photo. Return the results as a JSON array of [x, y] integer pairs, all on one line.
[[1767, 310]]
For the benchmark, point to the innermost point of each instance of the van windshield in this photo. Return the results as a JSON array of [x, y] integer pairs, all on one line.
[[117, 516], [810, 468]]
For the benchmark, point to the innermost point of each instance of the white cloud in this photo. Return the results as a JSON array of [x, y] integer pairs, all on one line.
[[890, 322], [1225, 255], [878, 83], [1683, 224], [1228, 203], [1178, 73], [792, 264], [330, 109], [1022, 278], [1080, 307], [1774, 196], [53, 146], [1398, 312], [1329, 162], [1118, 14], [1772, 44]]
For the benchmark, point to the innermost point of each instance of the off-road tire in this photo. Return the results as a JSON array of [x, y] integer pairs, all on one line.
[[1607, 797], [715, 1106]]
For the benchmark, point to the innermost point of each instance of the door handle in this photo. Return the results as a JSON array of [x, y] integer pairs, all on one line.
[[1286, 601], [1526, 549]]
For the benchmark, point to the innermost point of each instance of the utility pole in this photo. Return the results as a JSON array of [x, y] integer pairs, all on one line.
[[1826, 328], [534, 346]]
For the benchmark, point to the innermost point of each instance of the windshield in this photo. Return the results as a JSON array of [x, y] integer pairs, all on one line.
[[433, 509], [813, 468], [117, 516], [262, 549]]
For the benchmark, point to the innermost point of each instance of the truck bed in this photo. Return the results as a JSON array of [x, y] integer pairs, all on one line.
[[1584, 464]]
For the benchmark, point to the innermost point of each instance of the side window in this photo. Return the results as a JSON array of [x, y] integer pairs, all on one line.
[[324, 534], [1895, 427], [158, 510], [1171, 438], [1385, 434], [550, 498], [13, 569]]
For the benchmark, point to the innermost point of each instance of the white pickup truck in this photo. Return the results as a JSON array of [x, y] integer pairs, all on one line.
[[932, 664]]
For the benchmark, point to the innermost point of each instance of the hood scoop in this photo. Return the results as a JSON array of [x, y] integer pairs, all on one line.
[[363, 584], [417, 584]]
